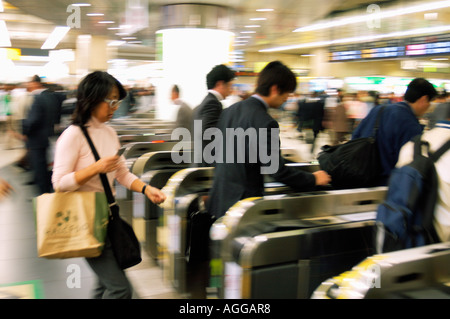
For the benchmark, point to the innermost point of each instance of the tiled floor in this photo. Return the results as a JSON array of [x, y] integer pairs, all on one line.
[[23, 274]]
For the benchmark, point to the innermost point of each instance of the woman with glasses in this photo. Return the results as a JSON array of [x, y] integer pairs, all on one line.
[[75, 168]]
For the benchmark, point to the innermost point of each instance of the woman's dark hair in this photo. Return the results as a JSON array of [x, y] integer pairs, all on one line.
[[276, 73], [92, 90], [418, 88]]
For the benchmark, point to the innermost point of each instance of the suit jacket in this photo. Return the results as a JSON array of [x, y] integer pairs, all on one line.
[[208, 112], [41, 119], [184, 115], [234, 181]]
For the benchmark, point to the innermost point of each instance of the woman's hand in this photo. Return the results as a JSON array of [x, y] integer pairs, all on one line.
[[155, 195], [107, 164]]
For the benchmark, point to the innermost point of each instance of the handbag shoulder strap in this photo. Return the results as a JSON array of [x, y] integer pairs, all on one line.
[[104, 179]]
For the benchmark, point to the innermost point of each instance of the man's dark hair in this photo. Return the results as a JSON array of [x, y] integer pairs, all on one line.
[[418, 88], [176, 89], [92, 90], [219, 73], [276, 73], [36, 78]]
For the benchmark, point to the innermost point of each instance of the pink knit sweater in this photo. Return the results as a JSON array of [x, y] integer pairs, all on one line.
[[72, 153]]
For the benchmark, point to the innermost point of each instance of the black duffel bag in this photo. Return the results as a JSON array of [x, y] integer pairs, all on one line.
[[355, 163]]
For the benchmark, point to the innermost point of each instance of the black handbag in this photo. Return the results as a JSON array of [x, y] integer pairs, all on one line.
[[355, 163], [124, 243]]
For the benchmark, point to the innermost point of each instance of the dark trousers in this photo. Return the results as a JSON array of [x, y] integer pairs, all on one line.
[[112, 280], [39, 165]]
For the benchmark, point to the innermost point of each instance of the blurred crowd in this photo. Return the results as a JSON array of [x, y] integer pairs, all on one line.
[[34, 113], [335, 112], [339, 112], [16, 100]]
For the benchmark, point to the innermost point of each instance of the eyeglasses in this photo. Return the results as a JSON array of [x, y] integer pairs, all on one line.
[[113, 103]]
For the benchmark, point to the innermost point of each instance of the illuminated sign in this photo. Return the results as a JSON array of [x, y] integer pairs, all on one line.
[[420, 46], [428, 48]]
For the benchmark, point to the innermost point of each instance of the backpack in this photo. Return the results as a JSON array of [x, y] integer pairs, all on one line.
[[405, 218], [355, 163]]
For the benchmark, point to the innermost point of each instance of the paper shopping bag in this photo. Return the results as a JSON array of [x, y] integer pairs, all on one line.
[[71, 224]]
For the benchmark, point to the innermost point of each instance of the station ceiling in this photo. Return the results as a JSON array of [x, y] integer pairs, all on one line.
[[29, 22]]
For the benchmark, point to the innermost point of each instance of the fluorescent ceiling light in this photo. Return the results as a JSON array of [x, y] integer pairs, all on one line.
[[252, 26], [81, 4], [106, 22], [5, 41], [264, 10], [318, 44], [244, 32], [32, 58], [95, 14], [116, 43], [258, 19], [383, 14], [55, 37]]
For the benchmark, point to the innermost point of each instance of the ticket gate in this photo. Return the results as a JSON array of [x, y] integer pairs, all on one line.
[[284, 247], [146, 115], [182, 189], [149, 137], [416, 273], [187, 191], [155, 169], [135, 150], [133, 153]]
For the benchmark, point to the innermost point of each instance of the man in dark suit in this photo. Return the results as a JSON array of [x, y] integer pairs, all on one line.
[[38, 127], [219, 84], [242, 175]]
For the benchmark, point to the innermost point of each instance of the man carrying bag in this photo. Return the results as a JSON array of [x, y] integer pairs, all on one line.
[[394, 124]]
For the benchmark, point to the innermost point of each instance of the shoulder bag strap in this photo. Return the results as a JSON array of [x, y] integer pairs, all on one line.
[[104, 179], [444, 148], [377, 122], [418, 146]]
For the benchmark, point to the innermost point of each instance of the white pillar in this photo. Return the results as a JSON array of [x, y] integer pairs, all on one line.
[[91, 54], [320, 66], [193, 39], [188, 55]]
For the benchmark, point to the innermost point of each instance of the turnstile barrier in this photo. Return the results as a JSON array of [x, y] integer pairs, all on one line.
[[185, 190], [136, 157], [270, 248], [416, 273]]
